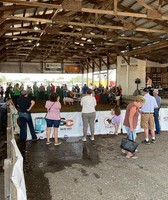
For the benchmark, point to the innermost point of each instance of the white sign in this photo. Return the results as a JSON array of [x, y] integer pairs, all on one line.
[[52, 67]]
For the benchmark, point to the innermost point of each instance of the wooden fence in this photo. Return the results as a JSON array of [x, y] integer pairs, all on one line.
[[10, 191]]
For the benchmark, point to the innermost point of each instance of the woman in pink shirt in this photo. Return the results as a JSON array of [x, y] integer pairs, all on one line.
[[53, 117]]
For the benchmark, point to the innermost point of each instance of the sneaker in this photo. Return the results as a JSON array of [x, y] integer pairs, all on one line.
[[145, 142], [92, 138], [58, 143], [84, 139], [153, 141]]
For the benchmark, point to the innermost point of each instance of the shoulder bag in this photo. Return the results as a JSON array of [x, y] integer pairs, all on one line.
[[129, 145], [48, 110]]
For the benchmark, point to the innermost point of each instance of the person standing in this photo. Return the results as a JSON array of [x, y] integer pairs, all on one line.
[[88, 104], [149, 84], [156, 110], [25, 104], [53, 117], [116, 120], [16, 93], [118, 95], [147, 117], [84, 89], [131, 120]]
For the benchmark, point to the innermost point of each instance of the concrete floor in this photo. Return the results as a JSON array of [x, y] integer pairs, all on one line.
[[96, 170]]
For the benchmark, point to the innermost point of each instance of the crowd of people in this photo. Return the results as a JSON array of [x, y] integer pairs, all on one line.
[[42, 92], [145, 105]]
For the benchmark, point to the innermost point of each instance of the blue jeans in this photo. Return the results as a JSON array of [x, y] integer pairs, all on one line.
[[157, 125], [25, 118], [131, 135]]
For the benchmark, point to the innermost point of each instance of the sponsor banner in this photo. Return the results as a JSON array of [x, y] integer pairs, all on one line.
[[72, 126], [52, 67], [163, 113]]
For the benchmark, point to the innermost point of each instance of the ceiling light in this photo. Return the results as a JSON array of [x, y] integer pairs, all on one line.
[[36, 28], [89, 40], [83, 38]]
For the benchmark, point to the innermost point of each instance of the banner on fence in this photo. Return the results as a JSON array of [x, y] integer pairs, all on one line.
[[72, 126], [17, 174]]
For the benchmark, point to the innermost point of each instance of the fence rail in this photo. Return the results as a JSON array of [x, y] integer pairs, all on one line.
[[10, 190]]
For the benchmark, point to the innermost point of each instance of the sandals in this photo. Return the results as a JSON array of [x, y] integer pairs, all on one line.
[[123, 151], [47, 143], [58, 143], [133, 157]]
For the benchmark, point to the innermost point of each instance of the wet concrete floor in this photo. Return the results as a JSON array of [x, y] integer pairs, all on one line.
[[96, 170]]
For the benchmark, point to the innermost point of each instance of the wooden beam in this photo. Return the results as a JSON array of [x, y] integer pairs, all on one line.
[[103, 61], [123, 56], [30, 19], [112, 27], [25, 29], [12, 8], [34, 4], [96, 63], [124, 14], [145, 5], [115, 7], [22, 37], [3, 31], [159, 5], [147, 49]]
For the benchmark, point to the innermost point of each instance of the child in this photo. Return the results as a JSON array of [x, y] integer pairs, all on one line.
[[116, 120]]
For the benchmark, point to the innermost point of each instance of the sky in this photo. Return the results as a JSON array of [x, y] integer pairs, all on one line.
[[29, 79], [36, 77]]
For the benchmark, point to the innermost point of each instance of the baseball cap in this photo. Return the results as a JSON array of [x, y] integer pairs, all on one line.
[[24, 92], [146, 89]]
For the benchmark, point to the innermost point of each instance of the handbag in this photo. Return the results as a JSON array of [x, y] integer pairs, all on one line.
[[129, 145]]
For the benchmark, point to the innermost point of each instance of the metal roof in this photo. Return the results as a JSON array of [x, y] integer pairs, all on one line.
[[82, 30]]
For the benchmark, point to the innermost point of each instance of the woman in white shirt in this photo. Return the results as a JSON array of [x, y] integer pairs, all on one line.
[[88, 104]]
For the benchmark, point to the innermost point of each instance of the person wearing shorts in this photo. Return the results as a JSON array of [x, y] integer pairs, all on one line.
[[131, 121], [147, 117], [53, 117]]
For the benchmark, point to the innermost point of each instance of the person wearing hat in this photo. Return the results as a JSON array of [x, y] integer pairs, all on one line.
[[147, 116], [156, 110], [25, 105]]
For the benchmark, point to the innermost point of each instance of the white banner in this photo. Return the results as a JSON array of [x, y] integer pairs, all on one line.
[[17, 174], [72, 126]]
